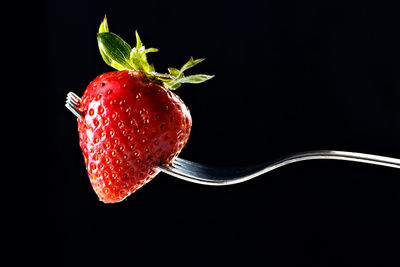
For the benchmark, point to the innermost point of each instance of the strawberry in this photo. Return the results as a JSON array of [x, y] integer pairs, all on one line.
[[131, 120]]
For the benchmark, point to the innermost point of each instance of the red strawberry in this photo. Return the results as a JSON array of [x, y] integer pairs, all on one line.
[[131, 121]]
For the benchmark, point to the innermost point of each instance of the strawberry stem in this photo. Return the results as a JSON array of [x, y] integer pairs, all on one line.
[[119, 55]]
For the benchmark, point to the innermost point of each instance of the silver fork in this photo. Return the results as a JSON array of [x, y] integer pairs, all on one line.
[[211, 175]]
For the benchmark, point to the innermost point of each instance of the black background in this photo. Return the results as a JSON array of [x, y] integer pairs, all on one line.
[[290, 77]]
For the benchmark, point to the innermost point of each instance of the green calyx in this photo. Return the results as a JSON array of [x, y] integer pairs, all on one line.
[[119, 55]]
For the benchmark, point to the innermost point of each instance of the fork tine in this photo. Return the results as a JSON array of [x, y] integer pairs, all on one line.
[[73, 110], [74, 95], [72, 103], [194, 172], [73, 98]]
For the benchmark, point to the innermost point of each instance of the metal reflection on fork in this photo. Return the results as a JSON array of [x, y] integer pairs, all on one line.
[[211, 175]]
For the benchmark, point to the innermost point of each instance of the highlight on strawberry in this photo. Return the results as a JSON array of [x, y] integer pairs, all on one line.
[[131, 120]]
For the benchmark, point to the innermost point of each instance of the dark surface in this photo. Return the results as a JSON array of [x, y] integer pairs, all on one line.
[[289, 77]]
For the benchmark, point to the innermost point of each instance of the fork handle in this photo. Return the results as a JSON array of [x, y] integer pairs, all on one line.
[[339, 155], [323, 154], [223, 176]]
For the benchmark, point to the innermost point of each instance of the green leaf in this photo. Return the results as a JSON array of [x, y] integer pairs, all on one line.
[[175, 86], [138, 56], [151, 50], [114, 49], [103, 26], [174, 72], [191, 63], [197, 78], [151, 68], [138, 60], [139, 43], [105, 57]]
